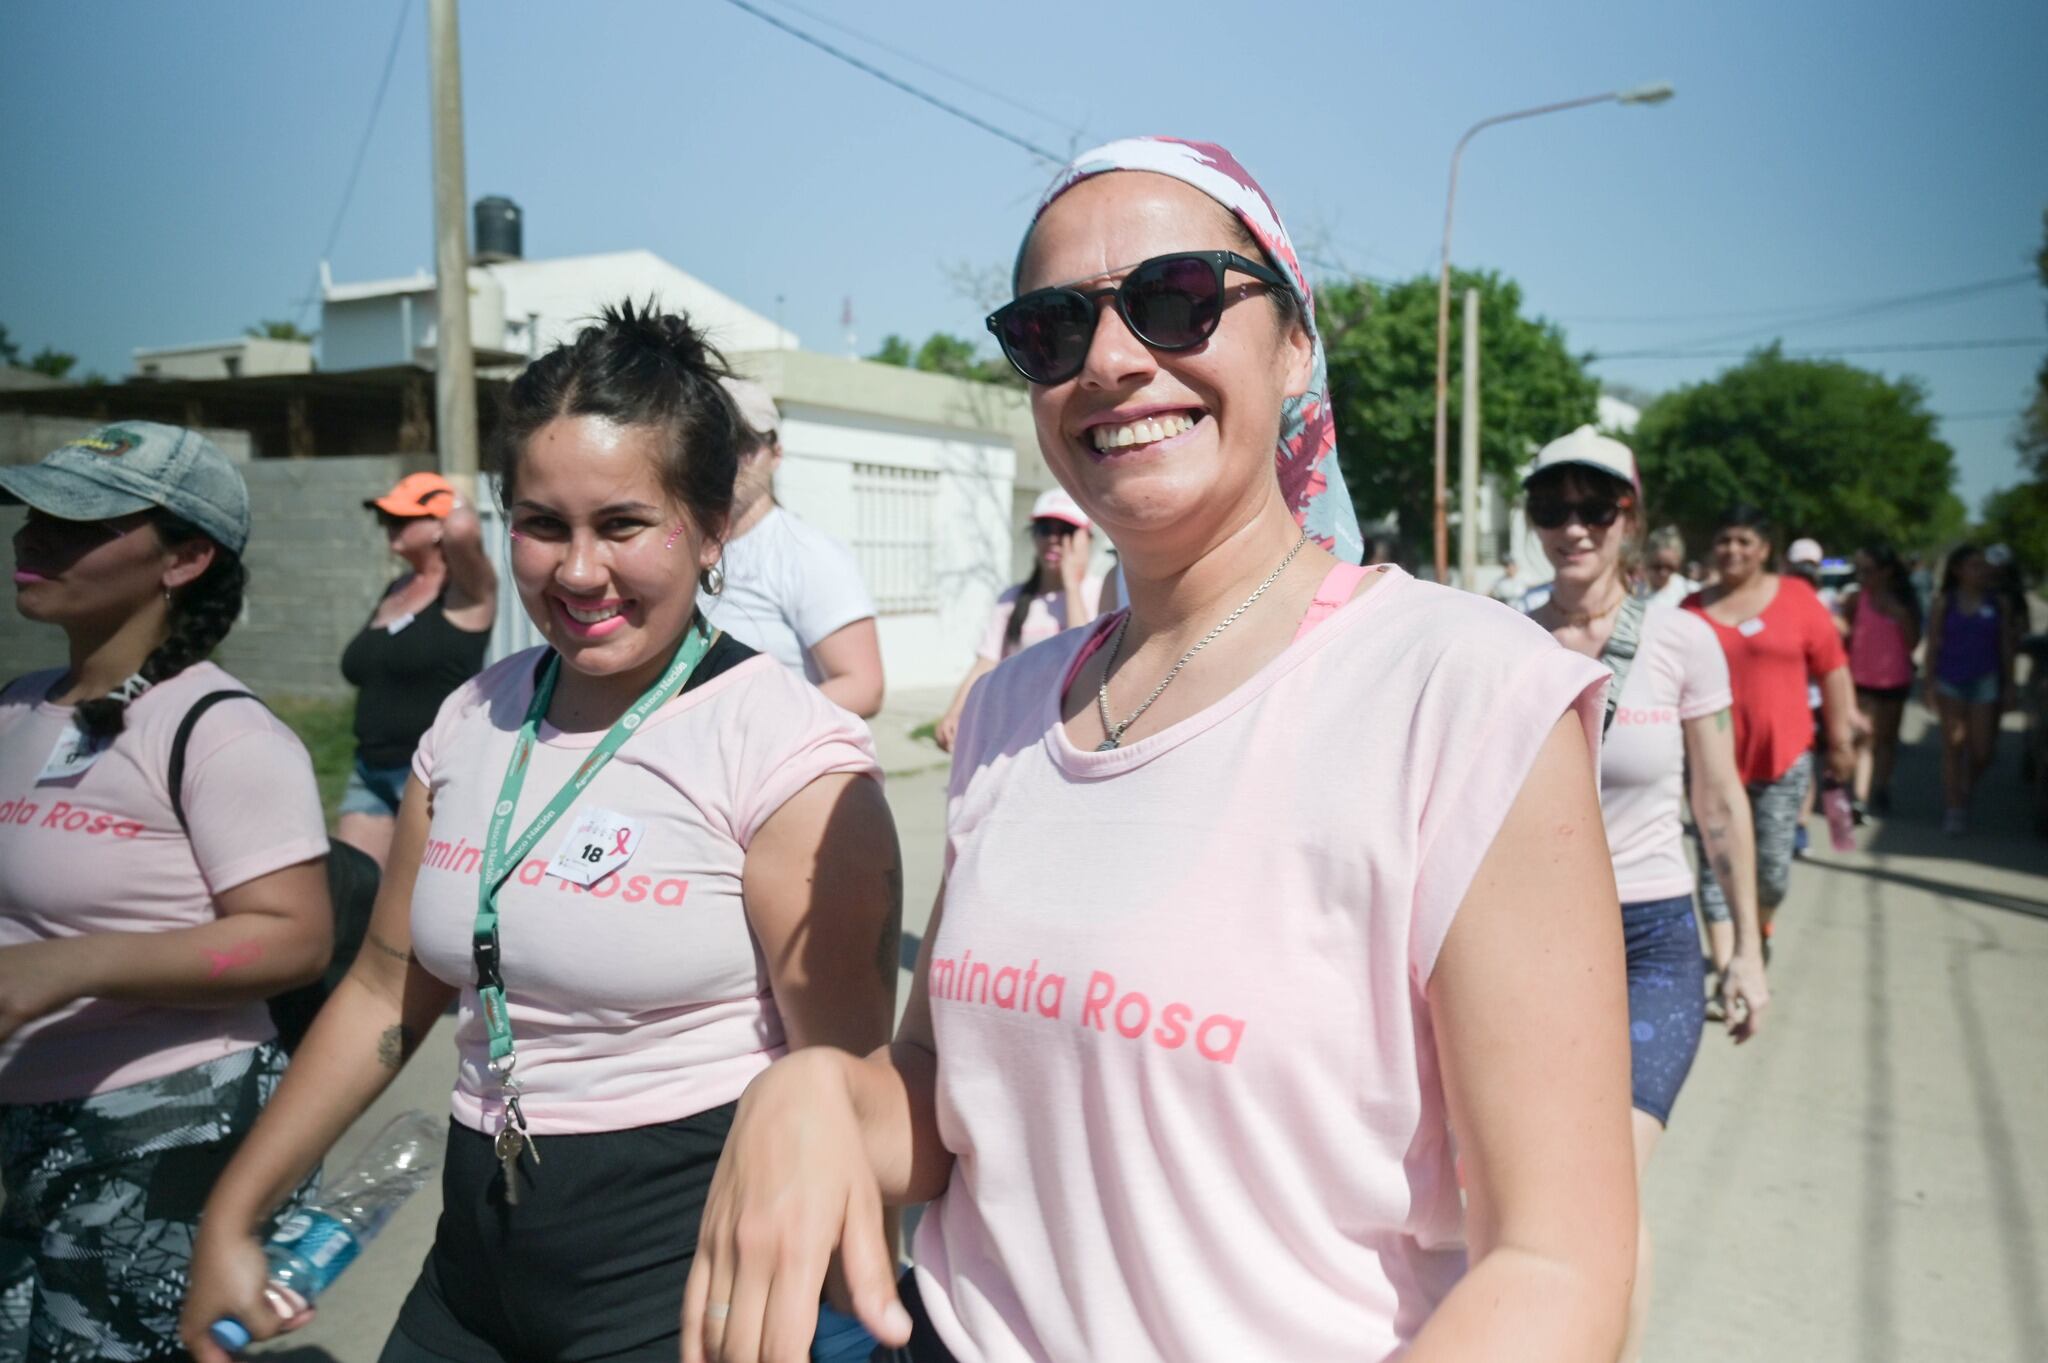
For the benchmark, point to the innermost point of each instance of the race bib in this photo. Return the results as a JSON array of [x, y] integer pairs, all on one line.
[[1749, 629], [599, 842], [73, 755], [393, 626]]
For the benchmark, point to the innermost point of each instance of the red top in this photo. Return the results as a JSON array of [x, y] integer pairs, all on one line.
[[1770, 659]]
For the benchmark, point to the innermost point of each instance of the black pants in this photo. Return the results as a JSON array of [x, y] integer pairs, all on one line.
[[588, 1266]]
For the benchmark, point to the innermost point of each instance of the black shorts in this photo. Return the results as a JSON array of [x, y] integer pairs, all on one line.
[[924, 1346], [1897, 693], [589, 1265]]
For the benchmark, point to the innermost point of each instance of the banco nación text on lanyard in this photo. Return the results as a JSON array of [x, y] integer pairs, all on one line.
[[499, 859]]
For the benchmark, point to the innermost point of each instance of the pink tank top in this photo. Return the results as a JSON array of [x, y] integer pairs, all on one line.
[[1878, 655]]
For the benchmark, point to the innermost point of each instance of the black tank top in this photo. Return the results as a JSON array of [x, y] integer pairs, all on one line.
[[402, 678]]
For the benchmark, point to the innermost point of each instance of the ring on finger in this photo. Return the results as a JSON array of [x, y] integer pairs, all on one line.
[[718, 1310]]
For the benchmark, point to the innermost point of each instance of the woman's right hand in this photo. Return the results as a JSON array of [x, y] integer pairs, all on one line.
[[230, 1277], [947, 729], [793, 1186]]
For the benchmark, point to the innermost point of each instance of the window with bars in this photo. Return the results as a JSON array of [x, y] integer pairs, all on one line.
[[895, 524]]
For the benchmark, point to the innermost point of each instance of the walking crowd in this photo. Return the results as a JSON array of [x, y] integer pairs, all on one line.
[[1256, 1082]]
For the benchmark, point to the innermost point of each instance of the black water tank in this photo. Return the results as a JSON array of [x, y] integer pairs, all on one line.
[[497, 229]]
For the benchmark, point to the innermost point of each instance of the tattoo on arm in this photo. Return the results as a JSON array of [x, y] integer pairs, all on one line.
[[219, 963], [887, 946], [396, 1046], [1721, 720], [389, 950]]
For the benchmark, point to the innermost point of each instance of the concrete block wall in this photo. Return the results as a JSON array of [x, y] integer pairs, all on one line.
[[317, 564]]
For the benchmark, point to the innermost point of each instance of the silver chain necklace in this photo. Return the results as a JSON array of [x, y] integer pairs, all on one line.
[[1115, 732]]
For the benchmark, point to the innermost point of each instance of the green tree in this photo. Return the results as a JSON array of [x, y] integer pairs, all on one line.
[[1381, 341], [278, 331], [2033, 436], [10, 353], [2018, 516], [1825, 448], [944, 353], [53, 363]]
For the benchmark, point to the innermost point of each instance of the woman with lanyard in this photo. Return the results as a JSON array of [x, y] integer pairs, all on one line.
[[1971, 639], [1667, 716], [614, 851], [1883, 615], [1060, 594], [1327, 840], [1777, 637], [144, 917], [426, 637]]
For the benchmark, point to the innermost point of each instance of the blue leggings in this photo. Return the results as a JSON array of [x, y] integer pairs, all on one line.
[[1667, 1005]]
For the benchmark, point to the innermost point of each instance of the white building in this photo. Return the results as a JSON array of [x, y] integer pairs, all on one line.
[[928, 479], [244, 357]]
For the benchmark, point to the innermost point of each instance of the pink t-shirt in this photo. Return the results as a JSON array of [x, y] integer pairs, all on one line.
[[100, 851], [644, 998], [1186, 1068], [1679, 674], [1043, 618]]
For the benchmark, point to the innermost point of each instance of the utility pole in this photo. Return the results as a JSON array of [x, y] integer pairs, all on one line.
[[454, 360], [1468, 451]]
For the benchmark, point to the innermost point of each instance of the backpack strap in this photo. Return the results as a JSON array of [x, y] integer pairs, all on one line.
[[183, 738], [1620, 653]]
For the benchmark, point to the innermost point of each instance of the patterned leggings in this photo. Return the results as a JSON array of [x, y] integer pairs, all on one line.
[[103, 1194], [1774, 808]]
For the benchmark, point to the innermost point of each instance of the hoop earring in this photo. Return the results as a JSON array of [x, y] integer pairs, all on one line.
[[714, 579]]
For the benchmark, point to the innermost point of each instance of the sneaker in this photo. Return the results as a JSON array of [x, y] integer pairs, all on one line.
[[1955, 823]]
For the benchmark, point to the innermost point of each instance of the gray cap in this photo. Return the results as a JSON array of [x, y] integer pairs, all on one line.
[[132, 466]]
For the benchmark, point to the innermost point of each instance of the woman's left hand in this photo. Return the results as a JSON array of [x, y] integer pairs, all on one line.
[[36, 979], [1080, 548]]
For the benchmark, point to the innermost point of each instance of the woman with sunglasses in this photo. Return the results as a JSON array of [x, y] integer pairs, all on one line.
[[426, 637], [1326, 838], [1667, 718], [1777, 638], [614, 852], [142, 922], [1060, 594]]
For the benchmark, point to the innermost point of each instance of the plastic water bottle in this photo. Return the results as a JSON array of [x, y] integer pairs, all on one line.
[[314, 1244], [1841, 818]]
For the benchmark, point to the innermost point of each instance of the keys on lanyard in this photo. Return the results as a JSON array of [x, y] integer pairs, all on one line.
[[512, 1138]]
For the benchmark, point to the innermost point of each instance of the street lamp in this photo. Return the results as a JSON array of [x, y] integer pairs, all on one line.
[[1655, 93]]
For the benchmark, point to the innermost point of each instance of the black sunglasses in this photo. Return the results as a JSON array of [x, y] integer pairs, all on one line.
[[1172, 302], [1595, 513]]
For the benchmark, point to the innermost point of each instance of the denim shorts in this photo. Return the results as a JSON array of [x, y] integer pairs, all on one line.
[[374, 790], [1983, 691]]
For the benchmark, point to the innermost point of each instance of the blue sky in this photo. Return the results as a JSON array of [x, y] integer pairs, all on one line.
[[172, 172]]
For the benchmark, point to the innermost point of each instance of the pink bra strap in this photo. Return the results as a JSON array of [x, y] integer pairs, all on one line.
[[1339, 584], [1103, 630]]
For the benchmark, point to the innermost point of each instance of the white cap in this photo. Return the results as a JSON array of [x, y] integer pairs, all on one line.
[[1804, 551], [1587, 448], [1054, 504], [756, 405]]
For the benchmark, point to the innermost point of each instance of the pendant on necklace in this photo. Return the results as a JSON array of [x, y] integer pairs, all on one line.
[[1106, 745]]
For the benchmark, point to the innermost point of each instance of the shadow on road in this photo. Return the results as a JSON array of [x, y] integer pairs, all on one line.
[[1990, 899]]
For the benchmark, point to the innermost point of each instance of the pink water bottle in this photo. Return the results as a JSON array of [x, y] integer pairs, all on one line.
[[1841, 819]]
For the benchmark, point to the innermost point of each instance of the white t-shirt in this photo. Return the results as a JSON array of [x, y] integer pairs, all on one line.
[[1043, 618], [1679, 674], [643, 998], [787, 586], [1676, 588], [1187, 1069]]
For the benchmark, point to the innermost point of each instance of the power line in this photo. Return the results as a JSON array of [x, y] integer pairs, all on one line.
[[1786, 310], [932, 67], [1879, 348], [1899, 303], [362, 149], [906, 87]]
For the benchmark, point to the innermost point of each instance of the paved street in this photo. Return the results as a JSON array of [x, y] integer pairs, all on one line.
[[1868, 1182]]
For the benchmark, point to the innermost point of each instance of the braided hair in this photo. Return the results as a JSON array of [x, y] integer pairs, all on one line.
[[202, 613]]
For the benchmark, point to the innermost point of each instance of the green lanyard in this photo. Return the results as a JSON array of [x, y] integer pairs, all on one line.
[[500, 859]]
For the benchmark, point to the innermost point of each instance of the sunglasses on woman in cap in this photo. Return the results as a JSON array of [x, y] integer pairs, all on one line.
[[1595, 513], [1171, 302]]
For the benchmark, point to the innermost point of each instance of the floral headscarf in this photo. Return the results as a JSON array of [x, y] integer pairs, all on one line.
[[1310, 478]]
